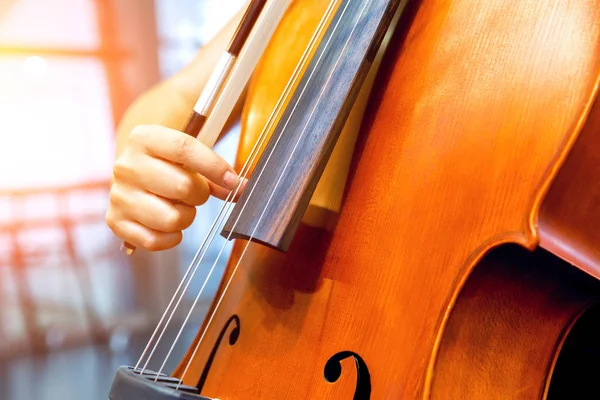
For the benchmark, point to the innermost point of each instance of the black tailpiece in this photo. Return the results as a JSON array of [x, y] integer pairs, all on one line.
[[129, 384]]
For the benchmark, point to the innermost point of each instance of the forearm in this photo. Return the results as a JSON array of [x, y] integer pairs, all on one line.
[[170, 102]]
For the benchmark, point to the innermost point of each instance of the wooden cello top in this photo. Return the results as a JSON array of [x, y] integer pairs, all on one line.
[[473, 112]]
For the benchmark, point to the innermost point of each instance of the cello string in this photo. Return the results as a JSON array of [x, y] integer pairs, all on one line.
[[265, 21], [187, 273], [277, 183], [307, 51], [220, 216], [197, 264], [239, 38], [217, 220], [228, 204]]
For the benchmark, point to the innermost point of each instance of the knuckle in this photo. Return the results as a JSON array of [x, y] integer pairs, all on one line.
[[203, 191], [177, 239], [184, 147], [116, 226], [122, 168], [203, 195], [189, 217], [172, 220], [116, 197], [142, 136], [185, 188], [140, 133], [219, 165], [109, 219], [151, 242]]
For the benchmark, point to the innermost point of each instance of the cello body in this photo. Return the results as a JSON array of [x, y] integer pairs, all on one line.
[[418, 270]]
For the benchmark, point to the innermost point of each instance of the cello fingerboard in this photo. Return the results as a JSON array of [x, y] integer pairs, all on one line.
[[284, 179]]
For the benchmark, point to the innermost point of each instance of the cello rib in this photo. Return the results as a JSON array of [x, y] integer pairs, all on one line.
[[508, 328], [569, 220]]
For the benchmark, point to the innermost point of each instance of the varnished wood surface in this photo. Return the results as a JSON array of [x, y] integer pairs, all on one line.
[[508, 328], [474, 109], [569, 218]]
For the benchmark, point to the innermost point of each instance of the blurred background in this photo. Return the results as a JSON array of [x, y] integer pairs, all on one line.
[[72, 307]]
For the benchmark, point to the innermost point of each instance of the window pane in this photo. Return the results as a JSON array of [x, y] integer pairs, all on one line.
[[76, 19], [193, 20], [56, 125], [185, 25]]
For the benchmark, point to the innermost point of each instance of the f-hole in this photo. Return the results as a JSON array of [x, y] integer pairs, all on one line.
[[233, 338], [333, 371]]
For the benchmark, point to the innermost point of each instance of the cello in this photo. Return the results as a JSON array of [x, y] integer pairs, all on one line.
[[421, 215]]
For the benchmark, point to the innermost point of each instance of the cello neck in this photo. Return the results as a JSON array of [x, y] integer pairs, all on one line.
[[292, 162]]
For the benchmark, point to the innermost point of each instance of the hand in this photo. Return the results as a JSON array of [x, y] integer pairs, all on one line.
[[159, 176]]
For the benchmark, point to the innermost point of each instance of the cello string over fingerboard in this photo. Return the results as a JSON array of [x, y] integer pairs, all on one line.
[[272, 118], [196, 262], [342, 52], [277, 228]]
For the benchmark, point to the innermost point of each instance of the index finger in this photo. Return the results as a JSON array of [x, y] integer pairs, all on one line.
[[184, 149]]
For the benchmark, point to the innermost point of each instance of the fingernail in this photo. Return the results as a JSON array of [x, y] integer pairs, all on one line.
[[231, 180]]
